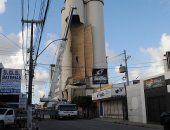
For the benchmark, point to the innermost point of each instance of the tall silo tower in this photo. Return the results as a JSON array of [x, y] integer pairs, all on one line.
[[85, 48]]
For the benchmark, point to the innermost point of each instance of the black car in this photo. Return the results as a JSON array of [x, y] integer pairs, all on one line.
[[165, 120]]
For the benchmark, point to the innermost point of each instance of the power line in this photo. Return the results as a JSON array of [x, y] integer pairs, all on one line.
[[11, 41], [34, 8]]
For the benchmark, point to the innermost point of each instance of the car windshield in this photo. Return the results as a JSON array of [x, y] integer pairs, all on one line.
[[67, 107], [2, 110]]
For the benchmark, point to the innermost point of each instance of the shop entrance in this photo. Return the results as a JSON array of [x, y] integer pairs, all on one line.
[[155, 106], [113, 109]]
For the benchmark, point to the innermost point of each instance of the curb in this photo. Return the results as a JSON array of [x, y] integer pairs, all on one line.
[[131, 123]]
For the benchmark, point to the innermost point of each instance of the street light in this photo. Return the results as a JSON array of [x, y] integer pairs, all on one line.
[[62, 39]]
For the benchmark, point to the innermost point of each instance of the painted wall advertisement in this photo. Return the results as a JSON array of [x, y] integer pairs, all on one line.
[[154, 82], [100, 76], [10, 81]]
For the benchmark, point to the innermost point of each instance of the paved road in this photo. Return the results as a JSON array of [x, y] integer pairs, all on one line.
[[85, 125]]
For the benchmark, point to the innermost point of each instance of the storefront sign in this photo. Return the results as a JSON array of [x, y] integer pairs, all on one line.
[[101, 94], [108, 93], [154, 82], [104, 88], [10, 81], [118, 91], [100, 76]]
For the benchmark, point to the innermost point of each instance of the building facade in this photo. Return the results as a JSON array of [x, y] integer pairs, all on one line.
[[148, 99], [111, 102]]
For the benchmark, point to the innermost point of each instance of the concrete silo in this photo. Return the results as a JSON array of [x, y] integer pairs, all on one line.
[[85, 47], [94, 17]]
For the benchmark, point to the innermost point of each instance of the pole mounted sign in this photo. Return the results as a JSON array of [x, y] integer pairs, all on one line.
[[10, 81], [100, 76]]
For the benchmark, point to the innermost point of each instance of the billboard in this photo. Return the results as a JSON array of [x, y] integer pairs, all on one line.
[[100, 76], [10, 81], [154, 82]]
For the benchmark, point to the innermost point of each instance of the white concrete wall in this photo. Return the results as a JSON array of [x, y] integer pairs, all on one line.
[[136, 103], [167, 76]]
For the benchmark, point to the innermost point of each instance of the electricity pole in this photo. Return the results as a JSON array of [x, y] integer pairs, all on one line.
[[127, 84], [31, 74], [124, 69], [126, 72]]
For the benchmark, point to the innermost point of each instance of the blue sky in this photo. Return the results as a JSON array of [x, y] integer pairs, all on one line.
[[142, 27]]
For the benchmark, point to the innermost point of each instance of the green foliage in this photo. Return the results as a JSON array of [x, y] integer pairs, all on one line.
[[83, 101]]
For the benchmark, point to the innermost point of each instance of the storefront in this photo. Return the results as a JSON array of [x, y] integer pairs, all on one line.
[[112, 102], [156, 98]]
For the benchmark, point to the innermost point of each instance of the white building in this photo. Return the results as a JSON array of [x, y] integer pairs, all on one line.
[[148, 99]]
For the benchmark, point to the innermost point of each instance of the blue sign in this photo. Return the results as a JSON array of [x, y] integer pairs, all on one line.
[[10, 81]]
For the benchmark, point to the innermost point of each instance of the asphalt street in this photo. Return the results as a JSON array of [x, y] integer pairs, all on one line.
[[85, 125]]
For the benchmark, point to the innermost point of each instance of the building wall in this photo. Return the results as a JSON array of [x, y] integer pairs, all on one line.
[[136, 103], [167, 77]]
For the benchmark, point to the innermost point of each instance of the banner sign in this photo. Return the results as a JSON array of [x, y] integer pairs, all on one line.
[[10, 81], [119, 91], [108, 93], [100, 76], [154, 82], [101, 94]]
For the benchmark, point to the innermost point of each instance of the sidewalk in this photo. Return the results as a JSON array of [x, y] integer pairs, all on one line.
[[125, 122]]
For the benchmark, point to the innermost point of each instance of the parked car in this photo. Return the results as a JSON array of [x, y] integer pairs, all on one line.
[[67, 111], [9, 116], [165, 120]]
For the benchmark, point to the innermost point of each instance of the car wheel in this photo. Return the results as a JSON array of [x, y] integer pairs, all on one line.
[[1, 124]]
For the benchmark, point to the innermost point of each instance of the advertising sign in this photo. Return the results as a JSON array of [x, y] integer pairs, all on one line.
[[101, 94], [155, 82], [10, 81], [100, 76], [120, 91], [22, 101]]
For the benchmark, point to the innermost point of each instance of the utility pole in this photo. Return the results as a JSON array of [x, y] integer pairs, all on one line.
[[125, 85], [31, 74], [124, 69], [126, 72]]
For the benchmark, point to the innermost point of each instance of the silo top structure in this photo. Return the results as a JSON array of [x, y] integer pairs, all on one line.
[[94, 17], [79, 11], [85, 45]]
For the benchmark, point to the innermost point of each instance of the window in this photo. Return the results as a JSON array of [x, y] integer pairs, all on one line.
[[10, 112]]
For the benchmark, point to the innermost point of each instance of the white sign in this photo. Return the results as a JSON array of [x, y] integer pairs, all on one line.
[[10, 81], [101, 94], [118, 91]]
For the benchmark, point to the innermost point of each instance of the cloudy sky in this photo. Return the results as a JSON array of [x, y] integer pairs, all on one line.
[[141, 27]]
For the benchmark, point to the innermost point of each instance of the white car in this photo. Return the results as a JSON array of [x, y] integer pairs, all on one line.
[[7, 117], [67, 110]]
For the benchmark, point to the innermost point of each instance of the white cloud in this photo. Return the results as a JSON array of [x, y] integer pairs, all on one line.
[[112, 56], [41, 75], [1, 30], [11, 57], [55, 45], [2, 6], [156, 56]]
